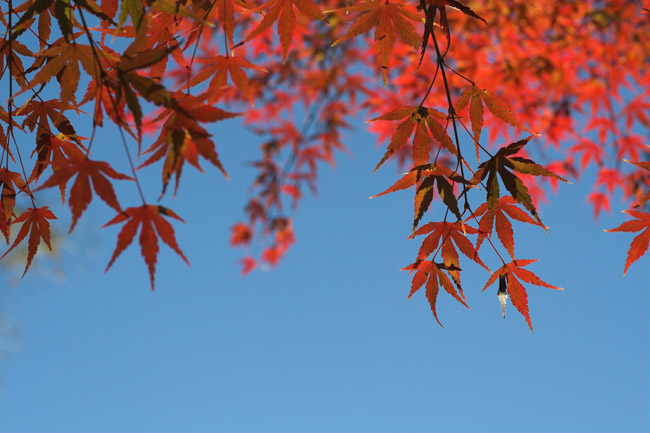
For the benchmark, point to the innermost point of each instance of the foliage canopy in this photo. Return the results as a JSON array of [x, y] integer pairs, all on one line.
[[481, 103]]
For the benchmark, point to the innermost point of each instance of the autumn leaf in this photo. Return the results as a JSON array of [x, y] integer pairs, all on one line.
[[219, 69], [475, 112], [388, 19], [498, 217], [175, 8], [282, 11], [226, 11], [34, 9], [241, 234], [182, 139], [149, 219], [248, 264], [416, 174], [445, 235], [499, 164], [518, 296], [35, 221], [81, 194], [646, 166], [12, 183], [418, 118], [63, 59], [53, 151], [640, 243], [446, 238], [433, 274], [475, 97], [40, 113], [425, 177]]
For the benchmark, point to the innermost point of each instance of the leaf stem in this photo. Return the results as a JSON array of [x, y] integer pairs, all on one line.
[[452, 112]]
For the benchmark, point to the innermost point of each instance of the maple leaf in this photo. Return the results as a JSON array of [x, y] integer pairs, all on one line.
[[11, 183], [248, 264], [226, 11], [241, 234], [129, 81], [417, 117], [54, 150], [498, 217], [282, 11], [518, 296], [475, 97], [81, 194], [13, 55], [219, 69], [433, 274], [42, 112], [442, 237], [646, 166], [640, 243], [63, 59], [35, 221], [426, 176], [182, 139], [149, 219], [388, 18], [500, 163]]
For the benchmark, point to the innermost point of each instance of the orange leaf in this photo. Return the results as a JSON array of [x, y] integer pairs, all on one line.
[[282, 12], [448, 232], [515, 289], [497, 216], [388, 18], [182, 139], [219, 69], [54, 150], [499, 108], [433, 274], [34, 221], [11, 183], [152, 225], [415, 116], [226, 11], [640, 243], [80, 193], [248, 264]]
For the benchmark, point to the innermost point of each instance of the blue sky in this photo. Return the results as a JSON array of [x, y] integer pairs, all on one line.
[[327, 341]]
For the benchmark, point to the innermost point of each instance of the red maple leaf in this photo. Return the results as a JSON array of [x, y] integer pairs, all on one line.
[[219, 68], [282, 12], [35, 221], [511, 271], [148, 218], [442, 237], [425, 176], [226, 11], [388, 19], [11, 183], [640, 243], [498, 217], [433, 274], [419, 118], [248, 264], [54, 151], [80, 194], [241, 234], [182, 139], [501, 163]]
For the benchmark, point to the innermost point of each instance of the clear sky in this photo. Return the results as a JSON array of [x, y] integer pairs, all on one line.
[[327, 341]]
